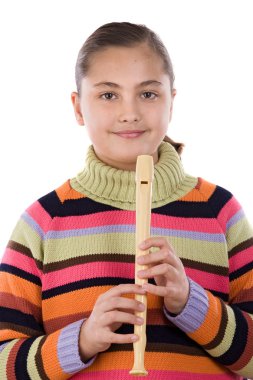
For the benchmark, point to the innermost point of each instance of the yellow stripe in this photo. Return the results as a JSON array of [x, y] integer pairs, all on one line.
[[4, 359], [57, 250], [32, 367], [23, 234]]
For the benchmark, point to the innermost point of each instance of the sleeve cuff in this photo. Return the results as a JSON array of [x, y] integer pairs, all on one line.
[[194, 312], [68, 349]]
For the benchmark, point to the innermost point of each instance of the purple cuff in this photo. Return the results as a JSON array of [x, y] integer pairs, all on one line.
[[194, 312], [68, 349]]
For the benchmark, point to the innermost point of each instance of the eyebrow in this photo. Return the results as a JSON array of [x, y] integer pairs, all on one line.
[[145, 83]]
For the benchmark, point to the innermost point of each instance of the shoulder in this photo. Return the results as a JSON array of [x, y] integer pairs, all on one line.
[[214, 196], [51, 205], [206, 191]]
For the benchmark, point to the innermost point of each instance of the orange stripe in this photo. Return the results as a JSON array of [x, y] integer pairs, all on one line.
[[7, 334], [210, 327], [83, 300], [157, 361], [49, 357], [65, 192], [244, 282], [202, 192], [19, 287]]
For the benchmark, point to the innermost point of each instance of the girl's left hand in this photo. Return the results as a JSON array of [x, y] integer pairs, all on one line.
[[168, 272]]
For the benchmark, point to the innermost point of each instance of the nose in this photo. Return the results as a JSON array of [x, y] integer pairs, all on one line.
[[129, 112]]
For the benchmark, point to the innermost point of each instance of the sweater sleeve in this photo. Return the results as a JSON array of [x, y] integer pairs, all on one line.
[[225, 330], [25, 348]]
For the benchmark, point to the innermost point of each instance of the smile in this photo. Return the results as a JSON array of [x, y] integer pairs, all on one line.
[[130, 134]]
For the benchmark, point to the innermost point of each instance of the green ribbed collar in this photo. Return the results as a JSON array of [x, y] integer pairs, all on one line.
[[116, 187]]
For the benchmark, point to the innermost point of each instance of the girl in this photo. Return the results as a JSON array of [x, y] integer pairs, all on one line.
[[67, 277]]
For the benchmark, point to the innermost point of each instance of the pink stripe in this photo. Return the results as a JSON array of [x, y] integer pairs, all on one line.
[[240, 259], [87, 271], [154, 375], [37, 212], [18, 260], [128, 217], [123, 270], [209, 280], [229, 210], [186, 224]]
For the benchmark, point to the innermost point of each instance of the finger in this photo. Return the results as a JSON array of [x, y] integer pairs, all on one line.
[[155, 242], [122, 303], [120, 290], [121, 338], [160, 291], [164, 255], [158, 270], [116, 316]]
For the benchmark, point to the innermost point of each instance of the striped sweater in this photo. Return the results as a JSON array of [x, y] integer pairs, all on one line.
[[78, 241]]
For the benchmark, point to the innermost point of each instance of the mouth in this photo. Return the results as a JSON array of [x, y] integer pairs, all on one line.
[[129, 134]]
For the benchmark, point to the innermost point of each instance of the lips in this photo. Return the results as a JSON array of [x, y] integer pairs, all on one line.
[[128, 134]]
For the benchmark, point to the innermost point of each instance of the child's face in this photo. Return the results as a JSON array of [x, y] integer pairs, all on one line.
[[126, 90]]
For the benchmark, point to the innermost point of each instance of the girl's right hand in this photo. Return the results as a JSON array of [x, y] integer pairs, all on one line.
[[110, 311]]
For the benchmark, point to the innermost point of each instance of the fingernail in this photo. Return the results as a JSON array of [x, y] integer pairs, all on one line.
[[134, 338], [141, 307], [142, 245], [139, 260], [140, 321]]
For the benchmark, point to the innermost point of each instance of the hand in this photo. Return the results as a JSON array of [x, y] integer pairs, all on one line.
[[168, 272], [110, 311]]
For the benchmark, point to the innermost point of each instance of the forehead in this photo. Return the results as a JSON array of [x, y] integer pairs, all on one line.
[[139, 60]]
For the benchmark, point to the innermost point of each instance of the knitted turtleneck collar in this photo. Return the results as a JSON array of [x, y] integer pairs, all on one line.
[[116, 187]]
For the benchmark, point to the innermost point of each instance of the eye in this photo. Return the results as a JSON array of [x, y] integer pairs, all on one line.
[[149, 95], [108, 96]]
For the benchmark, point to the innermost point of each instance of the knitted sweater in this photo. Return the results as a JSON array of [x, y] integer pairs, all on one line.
[[78, 241]]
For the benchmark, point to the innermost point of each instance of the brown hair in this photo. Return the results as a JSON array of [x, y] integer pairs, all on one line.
[[123, 34]]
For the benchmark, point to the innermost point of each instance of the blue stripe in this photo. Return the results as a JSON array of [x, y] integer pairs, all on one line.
[[127, 228], [2, 347], [239, 215], [31, 222]]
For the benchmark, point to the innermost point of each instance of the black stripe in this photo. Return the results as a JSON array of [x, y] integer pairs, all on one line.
[[99, 281], [206, 209], [245, 306], [223, 296], [20, 273], [161, 334], [21, 360], [241, 271], [218, 199], [185, 210], [238, 344], [86, 206], [19, 318], [73, 207], [104, 281]]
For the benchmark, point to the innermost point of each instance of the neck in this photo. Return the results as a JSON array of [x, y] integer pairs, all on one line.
[[116, 187], [128, 166]]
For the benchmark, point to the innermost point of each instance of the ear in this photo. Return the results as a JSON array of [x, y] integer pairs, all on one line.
[[173, 94], [77, 108]]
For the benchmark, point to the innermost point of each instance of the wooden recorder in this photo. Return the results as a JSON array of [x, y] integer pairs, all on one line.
[[144, 177]]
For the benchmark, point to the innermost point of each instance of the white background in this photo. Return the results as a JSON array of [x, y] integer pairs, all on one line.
[[41, 145]]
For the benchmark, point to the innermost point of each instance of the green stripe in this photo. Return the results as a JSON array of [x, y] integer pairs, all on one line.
[[124, 243]]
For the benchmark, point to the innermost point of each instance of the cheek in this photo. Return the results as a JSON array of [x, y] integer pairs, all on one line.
[[158, 115]]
